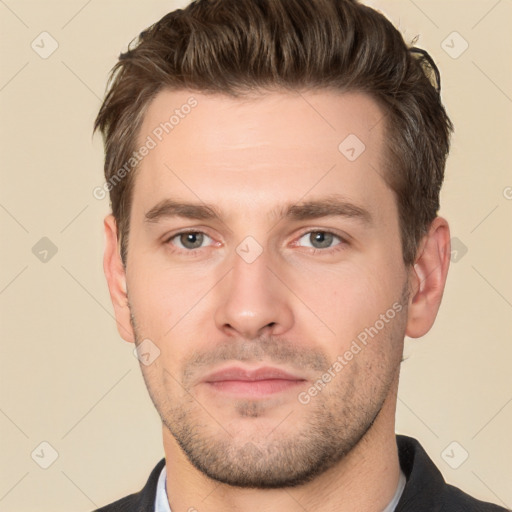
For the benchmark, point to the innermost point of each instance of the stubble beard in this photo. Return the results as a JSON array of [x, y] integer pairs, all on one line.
[[335, 422]]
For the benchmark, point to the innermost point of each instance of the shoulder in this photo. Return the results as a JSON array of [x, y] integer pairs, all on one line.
[[457, 500], [142, 501], [126, 504], [426, 489]]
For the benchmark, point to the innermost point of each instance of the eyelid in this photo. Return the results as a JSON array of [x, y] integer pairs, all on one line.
[[323, 230], [345, 239], [168, 238]]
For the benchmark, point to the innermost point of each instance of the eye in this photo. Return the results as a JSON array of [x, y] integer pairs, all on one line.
[[189, 240], [319, 239]]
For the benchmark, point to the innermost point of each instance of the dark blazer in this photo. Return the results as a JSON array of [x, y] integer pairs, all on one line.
[[425, 490]]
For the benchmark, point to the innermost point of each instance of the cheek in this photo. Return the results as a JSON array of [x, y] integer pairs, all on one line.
[[166, 299], [347, 298], [154, 299]]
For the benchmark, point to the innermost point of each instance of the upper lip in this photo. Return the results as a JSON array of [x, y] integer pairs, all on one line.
[[245, 374]]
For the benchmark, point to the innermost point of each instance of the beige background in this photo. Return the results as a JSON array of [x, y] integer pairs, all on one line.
[[66, 377]]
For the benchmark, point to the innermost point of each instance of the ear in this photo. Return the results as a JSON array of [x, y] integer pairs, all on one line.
[[116, 279], [428, 278]]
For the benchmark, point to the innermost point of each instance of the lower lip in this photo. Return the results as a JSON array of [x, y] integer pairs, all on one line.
[[254, 387]]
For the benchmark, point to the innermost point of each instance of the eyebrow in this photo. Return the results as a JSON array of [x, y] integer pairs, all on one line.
[[330, 206]]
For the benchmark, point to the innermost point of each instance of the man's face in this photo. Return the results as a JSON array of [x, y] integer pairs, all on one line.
[[291, 254]]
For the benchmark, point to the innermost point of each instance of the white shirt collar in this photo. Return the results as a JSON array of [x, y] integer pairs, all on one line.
[[398, 494], [162, 501]]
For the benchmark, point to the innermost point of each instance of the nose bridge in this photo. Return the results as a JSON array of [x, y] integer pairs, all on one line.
[[252, 299], [250, 274]]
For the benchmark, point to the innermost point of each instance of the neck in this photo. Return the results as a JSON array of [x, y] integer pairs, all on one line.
[[364, 480]]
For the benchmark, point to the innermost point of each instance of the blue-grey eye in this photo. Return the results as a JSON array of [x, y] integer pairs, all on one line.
[[190, 240], [319, 239]]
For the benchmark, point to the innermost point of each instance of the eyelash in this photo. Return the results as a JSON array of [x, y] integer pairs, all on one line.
[[330, 250], [312, 250]]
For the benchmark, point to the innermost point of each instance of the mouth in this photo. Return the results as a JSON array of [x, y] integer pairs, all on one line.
[[257, 382]]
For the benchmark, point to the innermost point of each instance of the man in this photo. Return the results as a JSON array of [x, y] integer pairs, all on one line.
[[274, 169]]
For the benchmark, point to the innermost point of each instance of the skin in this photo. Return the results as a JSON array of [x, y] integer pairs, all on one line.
[[294, 308]]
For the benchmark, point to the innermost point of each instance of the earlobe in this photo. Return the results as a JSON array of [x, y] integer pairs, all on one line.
[[116, 280], [428, 278]]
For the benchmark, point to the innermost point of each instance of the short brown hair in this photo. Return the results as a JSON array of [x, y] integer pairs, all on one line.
[[240, 46]]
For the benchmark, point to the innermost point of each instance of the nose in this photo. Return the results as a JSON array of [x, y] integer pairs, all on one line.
[[252, 301]]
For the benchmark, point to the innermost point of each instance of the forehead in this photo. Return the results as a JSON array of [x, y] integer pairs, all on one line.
[[274, 118], [260, 147]]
